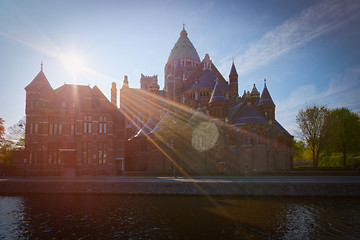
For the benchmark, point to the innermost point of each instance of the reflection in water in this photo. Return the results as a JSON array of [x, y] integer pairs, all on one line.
[[176, 217]]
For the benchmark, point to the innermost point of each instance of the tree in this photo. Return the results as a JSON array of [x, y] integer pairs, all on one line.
[[299, 149], [2, 129], [16, 134], [311, 122], [14, 140], [342, 132]]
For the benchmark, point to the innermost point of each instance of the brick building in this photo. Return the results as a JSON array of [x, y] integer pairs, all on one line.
[[73, 129], [198, 124]]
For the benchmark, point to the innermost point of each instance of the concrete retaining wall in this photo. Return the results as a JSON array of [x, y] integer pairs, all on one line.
[[182, 188]]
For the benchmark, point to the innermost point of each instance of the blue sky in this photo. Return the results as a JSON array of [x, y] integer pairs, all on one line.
[[307, 50]]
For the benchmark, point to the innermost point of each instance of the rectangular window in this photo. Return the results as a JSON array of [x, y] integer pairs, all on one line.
[[31, 128], [72, 129], [51, 130], [59, 157], [49, 157], [36, 128], [102, 125], [87, 124], [100, 156], [102, 153], [60, 129], [30, 157], [55, 157], [86, 153], [55, 128]]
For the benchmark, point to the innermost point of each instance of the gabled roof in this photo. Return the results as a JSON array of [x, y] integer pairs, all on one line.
[[183, 48], [280, 128], [217, 95], [265, 98], [39, 82], [233, 70], [195, 76], [248, 115], [254, 91]]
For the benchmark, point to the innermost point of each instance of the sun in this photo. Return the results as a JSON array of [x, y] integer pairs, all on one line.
[[73, 62]]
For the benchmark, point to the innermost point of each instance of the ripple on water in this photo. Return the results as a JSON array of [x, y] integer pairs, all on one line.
[[180, 217]]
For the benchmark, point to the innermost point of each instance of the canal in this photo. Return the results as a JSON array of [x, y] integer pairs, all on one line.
[[52, 216]]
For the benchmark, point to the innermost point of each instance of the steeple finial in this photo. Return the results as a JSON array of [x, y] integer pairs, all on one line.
[[41, 65], [265, 82], [183, 32]]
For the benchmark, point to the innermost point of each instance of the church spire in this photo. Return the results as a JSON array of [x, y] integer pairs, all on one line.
[[183, 32], [233, 77], [41, 68]]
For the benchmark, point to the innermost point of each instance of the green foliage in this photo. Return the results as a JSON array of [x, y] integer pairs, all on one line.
[[299, 149], [342, 134], [311, 122]]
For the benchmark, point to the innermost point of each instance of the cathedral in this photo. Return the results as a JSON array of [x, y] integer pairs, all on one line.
[[197, 125]]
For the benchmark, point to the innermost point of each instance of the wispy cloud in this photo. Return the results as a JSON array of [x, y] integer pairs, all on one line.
[[294, 32], [343, 91]]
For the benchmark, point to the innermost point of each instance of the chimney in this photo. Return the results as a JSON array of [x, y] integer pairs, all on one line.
[[114, 94]]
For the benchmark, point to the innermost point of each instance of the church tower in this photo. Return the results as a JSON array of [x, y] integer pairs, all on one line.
[[233, 77], [182, 62], [267, 105]]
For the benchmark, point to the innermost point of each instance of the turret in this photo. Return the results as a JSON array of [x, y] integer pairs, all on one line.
[[37, 91], [254, 95], [267, 105], [233, 77]]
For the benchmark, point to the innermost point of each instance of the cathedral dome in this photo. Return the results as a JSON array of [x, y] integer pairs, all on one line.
[[183, 48]]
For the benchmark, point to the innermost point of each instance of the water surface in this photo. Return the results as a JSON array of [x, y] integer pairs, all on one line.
[[51, 216]]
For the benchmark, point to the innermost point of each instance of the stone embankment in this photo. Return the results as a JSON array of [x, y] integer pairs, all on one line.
[[254, 186]]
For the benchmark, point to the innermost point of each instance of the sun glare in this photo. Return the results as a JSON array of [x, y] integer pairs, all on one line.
[[73, 63]]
